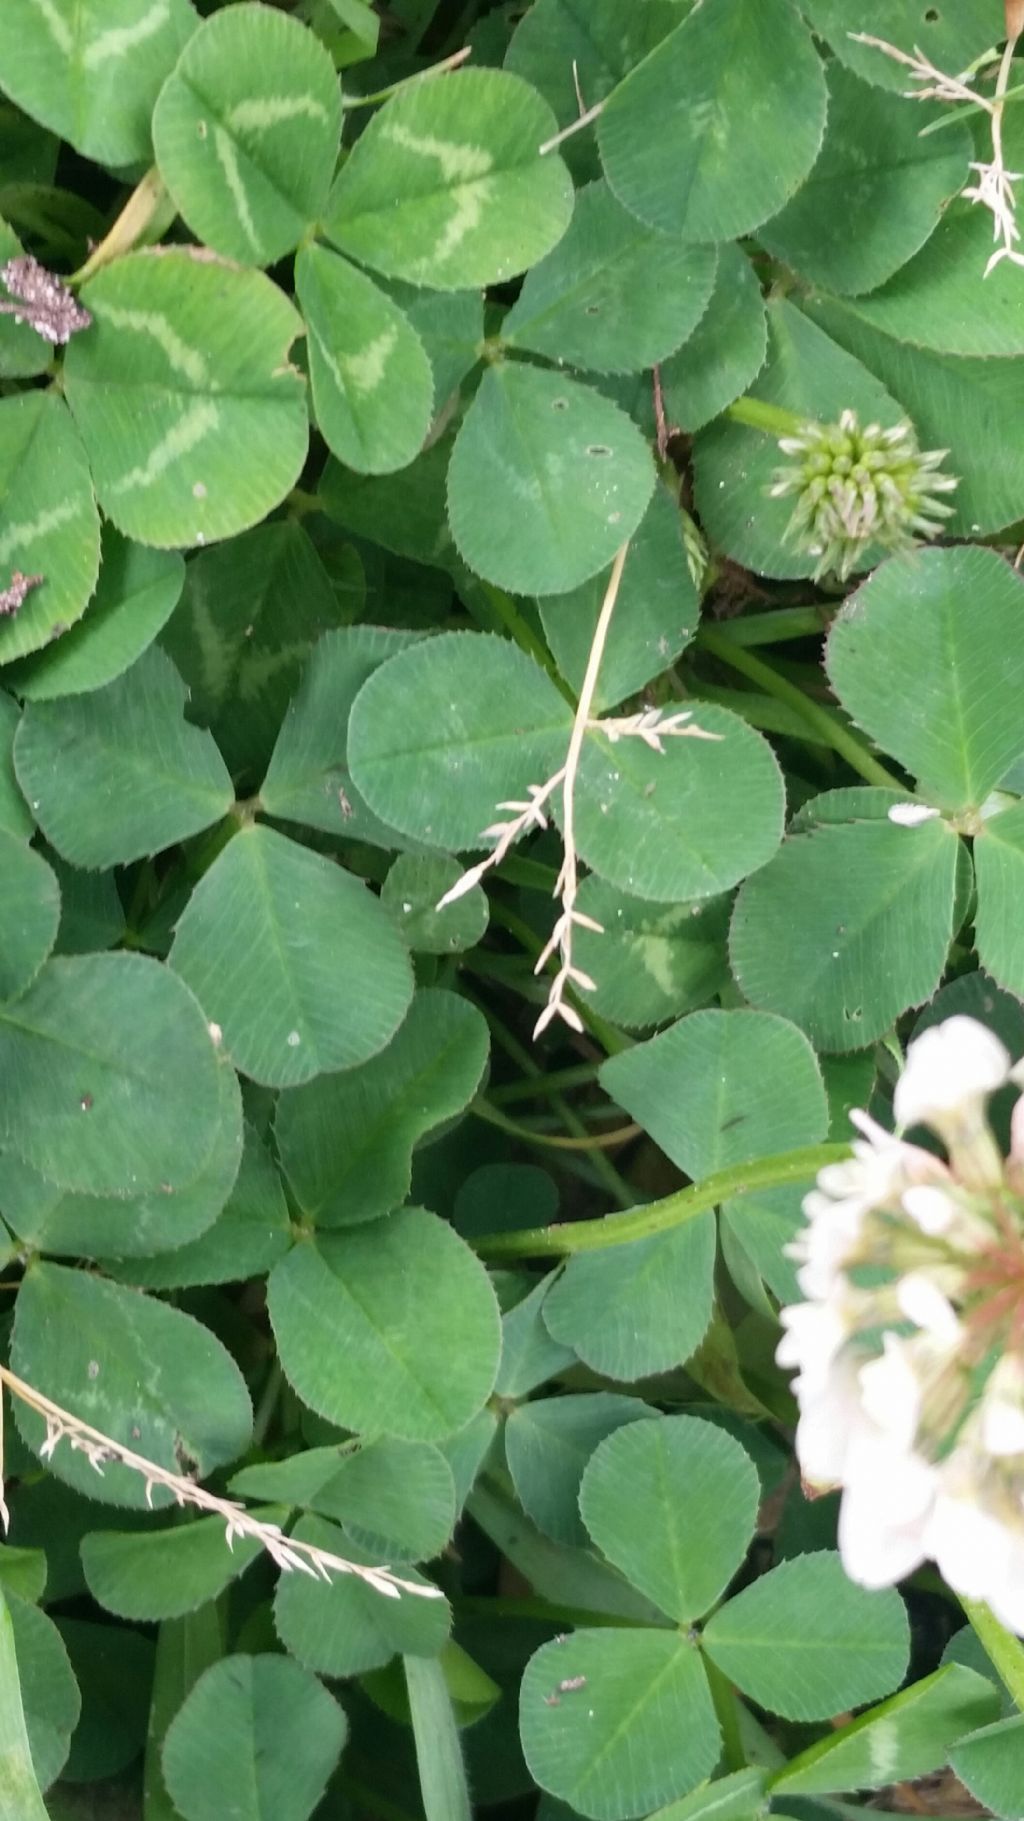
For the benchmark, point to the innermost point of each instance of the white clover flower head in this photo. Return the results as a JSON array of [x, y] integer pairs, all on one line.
[[909, 1349], [856, 486]]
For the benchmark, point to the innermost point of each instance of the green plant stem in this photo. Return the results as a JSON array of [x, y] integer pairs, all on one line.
[[610, 1039], [724, 1697], [509, 970], [775, 420], [603, 1168], [760, 711], [269, 1396], [953, 116], [529, 875], [1004, 1651], [299, 503], [144, 894], [444, 1790], [480, 1606], [775, 626], [519, 628], [824, 723], [540, 1087], [209, 847], [371, 1799], [567, 1237], [586, 1141]]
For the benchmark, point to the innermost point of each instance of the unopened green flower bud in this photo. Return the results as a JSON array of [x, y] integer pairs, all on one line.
[[696, 550], [856, 487]]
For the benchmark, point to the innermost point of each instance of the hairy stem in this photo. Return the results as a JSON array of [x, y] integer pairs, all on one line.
[[565, 1238], [1004, 1651]]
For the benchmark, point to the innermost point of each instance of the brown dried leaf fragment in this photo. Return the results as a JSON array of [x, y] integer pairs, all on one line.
[[42, 299], [13, 596]]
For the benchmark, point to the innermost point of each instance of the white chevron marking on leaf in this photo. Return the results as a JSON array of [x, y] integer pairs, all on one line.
[[119, 40], [465, 219], [200, 418], [228, 160], [365, 371], [183, 359], [57, 25], [25, 534], [258, 113], [459, 163]]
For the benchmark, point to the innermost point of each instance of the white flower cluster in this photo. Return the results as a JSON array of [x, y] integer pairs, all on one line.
[[910, 1346]]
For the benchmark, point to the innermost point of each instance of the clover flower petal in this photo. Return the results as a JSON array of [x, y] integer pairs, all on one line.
[[910, 1346], [952, 1065]]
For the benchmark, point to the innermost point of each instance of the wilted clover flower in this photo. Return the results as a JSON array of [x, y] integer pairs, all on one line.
[[856, 486], [910, 1346]]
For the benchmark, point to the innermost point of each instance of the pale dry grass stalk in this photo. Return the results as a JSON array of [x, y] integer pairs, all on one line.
[[100, 1450], [650, 726], [575, 126], [994, 185], [531, 814], [567, 883]]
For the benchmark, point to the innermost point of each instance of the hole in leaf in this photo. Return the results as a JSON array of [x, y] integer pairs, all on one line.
[[598, 449], [559, 404], [592, 309], [931, 15]]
